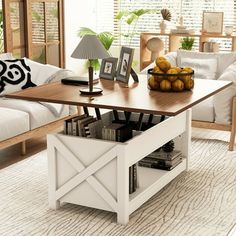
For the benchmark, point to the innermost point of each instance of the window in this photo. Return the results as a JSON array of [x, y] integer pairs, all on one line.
[[190, 10]]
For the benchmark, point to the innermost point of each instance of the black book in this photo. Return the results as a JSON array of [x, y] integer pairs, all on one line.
[[131, 190], [158, 166], [124, 133], [76, 80]]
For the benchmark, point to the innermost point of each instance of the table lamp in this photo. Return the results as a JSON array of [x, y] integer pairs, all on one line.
[[90, 48]]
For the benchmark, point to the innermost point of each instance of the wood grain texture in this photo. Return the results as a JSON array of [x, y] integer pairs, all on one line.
[[135, 97]]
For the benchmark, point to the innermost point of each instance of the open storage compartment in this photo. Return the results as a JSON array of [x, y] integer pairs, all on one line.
[[95, 172]]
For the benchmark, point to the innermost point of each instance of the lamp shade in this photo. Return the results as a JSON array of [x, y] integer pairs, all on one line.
[[90, 48]]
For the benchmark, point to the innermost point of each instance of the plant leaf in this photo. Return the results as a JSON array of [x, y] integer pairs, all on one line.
[[85, 31], [131, 18], [121, 14], [106, 39]]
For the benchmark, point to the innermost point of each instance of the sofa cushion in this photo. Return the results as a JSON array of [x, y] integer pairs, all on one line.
[[223, 59], [203, 68], [204, 111], [38, 114], [12, 123], [223, 100], [14, 76]]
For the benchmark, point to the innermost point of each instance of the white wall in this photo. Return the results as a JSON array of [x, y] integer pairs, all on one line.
[[78, 14]]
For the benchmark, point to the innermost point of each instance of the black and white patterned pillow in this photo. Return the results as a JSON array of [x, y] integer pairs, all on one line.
[[14, 76]]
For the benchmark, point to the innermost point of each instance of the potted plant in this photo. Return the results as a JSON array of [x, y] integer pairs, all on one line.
[[187, 43]]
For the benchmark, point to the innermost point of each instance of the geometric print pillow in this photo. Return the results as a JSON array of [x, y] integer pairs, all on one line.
[[14, 76]]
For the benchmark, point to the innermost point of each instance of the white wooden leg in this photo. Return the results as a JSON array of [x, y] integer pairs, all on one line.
[[122, 188], [52, 183], [186, 137]]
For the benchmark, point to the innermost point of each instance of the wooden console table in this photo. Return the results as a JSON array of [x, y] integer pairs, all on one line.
[[95, 173]]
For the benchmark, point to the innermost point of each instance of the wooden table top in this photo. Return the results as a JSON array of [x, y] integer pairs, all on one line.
[[134, 98]]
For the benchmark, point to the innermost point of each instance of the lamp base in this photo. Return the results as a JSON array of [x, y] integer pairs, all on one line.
[[95, 91]]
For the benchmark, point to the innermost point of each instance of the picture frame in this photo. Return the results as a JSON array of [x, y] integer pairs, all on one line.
[[108, 68], [212, 22], [125, 63]]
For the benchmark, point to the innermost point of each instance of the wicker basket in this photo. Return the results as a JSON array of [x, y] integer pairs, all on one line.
[[173, 82]]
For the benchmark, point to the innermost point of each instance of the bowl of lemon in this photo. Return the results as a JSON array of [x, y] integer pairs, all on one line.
[[167, 78]]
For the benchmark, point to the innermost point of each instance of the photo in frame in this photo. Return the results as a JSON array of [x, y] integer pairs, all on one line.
[[108, 68], [212, 22], [125, 63]]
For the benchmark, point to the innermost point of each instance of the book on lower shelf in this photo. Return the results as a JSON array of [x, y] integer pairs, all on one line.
[[133, 178], [162, 160]]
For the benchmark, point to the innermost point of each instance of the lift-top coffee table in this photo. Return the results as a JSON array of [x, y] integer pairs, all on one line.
[[95, 172]]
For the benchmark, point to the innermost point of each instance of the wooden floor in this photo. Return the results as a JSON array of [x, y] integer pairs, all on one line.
[[11, 155]]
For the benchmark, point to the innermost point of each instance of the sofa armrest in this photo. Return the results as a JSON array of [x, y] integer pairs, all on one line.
[[223, 100]]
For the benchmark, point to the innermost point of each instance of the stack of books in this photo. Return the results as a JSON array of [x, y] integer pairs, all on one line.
[[84, 126], [117, 132], [162, 160], [121, 132]]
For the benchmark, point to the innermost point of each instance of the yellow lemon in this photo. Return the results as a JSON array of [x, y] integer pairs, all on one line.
[[189, 84], [160, 59], [156, 69], [165, 85], [183, 75], [174, 77], [152, 82], [158, 77], [164, 65], [188, 69], [178, 69], [177, 85]]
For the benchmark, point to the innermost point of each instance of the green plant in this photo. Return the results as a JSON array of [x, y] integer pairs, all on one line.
[[106, 38], [187, 43], [131, 18]]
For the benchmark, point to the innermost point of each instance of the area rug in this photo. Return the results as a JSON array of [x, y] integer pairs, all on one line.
[[201, 201]]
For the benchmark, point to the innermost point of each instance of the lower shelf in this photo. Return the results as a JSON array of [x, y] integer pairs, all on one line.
[[151, 181]]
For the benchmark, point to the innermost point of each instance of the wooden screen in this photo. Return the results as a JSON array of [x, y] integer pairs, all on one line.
[[34, 28]]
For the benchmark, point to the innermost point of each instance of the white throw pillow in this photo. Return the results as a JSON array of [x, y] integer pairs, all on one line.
[[14, 76], [223, 59], [203, 68], [223, 100], [41, 72]]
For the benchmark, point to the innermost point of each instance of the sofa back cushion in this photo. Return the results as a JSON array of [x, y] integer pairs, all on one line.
[[223, 59], [14, 76], [203, 68]]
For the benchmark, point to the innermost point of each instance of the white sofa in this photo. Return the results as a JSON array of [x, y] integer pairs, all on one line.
[[219, 111], [20, 119]]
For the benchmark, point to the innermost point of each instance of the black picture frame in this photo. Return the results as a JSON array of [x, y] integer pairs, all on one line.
[[125, 63], [108, 68]]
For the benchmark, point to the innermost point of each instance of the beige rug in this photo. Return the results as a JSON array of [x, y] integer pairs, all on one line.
[[201, 201]]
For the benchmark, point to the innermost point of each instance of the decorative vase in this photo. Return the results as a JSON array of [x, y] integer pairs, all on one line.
[[163, 27]]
